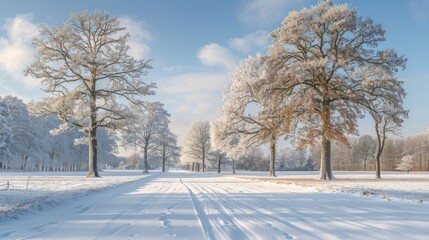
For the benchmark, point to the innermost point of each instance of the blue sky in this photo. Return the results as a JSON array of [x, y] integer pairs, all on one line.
[[193, 45]]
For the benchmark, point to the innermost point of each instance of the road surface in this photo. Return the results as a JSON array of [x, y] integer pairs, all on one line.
[[182, 205]]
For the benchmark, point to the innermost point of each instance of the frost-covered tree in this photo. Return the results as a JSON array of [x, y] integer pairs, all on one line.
[[250, 118], [364, 150], [406, 163], [26, 137], [196, 145], [32, 147], [226, 143], [107, 148], [297, 159], [388, 118], [85, 67], [133, 161], [147, 127], [61, 152], [326, 59], [421, 150], [252, 158], [166, 147], [5, 134], [217, 157]]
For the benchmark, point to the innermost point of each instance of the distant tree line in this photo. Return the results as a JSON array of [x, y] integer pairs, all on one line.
[[400, 154], [28, 145], [360, 155]]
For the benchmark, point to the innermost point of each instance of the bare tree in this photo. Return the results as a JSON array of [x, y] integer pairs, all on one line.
[[166, 146], [197, 143], [5, 135], [248, 117], [327, 62], [147, 127], [364, 149], [407, 162], [217, 157], [85, 67], [133, 160], [387, 120]]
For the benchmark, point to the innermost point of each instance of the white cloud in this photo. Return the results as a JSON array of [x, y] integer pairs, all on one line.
[[256, 40], [215, 55], [180, 125], [138, 48], [193, 83], [16, 52], [192, 96], [20, 28], [262, 12], [173, 68], [193, 107], [419, 8]]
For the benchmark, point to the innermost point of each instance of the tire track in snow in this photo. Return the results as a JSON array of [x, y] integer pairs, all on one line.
[[254, 229], [139, 207], [218, 214], [243, 205], [202, 217], [382, 232]]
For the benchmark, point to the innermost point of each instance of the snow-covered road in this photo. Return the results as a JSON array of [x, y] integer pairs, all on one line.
[[183, 205]]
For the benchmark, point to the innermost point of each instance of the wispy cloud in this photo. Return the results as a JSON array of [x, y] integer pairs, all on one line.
[[420, 9], [198, 95], [193, 83], [139, 37], [262, 12], [16, 52], [195, 95], [250, 42], [194, 107], [215, 55], [192, 96]]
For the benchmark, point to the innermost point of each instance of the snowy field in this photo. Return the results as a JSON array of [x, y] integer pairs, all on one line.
[[183, 205], [412, 186], [29, 191]]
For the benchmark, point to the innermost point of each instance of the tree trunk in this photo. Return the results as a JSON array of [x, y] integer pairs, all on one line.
[[426, 163], [92, 133], [364, 164], [325, 163], [325, 160], [92, 164], [273, 157], [145, 168], [163, 160], [204, 158], [233, 166], [377, 166], [380, 146], [218, 165]]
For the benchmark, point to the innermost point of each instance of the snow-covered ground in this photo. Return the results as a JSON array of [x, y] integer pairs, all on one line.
[[30, 191], [412, 186], [183, 205]]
